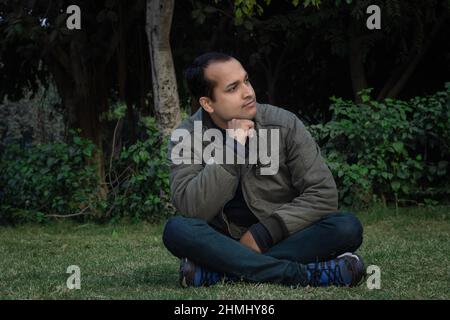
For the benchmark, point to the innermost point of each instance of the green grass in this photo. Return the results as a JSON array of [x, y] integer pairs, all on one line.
[[128, 261]]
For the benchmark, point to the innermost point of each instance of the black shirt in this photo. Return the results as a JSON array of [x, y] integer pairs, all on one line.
[[237, 210], [239, 213]]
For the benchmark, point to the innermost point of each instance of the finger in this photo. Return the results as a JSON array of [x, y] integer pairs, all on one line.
[[244, 123], [251, 133]]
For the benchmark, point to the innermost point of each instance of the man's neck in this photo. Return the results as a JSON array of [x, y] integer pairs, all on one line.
[[221, 124]]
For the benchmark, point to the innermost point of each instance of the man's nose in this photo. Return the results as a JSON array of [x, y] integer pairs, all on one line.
[[248, 91]]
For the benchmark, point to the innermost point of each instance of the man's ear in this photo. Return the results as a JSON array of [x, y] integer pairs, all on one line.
[[205, 102]]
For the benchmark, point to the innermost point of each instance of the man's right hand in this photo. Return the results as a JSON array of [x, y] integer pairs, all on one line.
[[241, 129]]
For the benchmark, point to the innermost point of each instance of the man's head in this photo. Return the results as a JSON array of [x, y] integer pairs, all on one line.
[[220, 84]]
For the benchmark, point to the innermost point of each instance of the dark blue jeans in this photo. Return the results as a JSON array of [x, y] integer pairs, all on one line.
[[284, 263]]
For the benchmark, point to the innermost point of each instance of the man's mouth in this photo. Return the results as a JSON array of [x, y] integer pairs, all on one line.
[[250, 103]]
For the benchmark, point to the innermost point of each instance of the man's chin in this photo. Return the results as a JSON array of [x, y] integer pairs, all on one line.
[[250, 114], [246, 117]]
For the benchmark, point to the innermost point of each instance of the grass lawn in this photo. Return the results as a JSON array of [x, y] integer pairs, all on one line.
[[129, 261]]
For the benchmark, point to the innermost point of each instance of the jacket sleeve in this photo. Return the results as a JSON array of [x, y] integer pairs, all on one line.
[[200, 190], [317, 192]]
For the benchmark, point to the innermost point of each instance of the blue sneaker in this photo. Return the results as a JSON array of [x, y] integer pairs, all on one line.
[[346, 270], [192, 275]]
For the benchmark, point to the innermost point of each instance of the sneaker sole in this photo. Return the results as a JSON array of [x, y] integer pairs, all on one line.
[[182, 279], [360, 259]]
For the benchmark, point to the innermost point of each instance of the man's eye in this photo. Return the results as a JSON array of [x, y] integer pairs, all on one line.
[[232, 89]]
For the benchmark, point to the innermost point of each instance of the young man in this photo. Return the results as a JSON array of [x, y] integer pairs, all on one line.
[[238, 223]]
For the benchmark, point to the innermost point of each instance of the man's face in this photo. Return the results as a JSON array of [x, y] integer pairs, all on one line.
[[234, 97]]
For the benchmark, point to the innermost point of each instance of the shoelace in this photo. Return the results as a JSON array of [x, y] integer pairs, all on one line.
[[208, 277], [332, 274]]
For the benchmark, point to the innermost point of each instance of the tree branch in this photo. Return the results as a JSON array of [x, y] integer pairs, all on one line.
[[82, 212], [403, 73]]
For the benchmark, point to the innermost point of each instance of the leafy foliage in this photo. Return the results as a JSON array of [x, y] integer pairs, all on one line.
[[139, 180], [48, 178], [45, 180], [396, 150]]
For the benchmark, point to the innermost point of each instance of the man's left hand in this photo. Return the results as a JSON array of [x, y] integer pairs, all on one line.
[[248, 241]]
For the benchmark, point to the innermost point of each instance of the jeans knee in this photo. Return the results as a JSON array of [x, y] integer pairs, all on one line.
[[171, 230], [350, 228], [181, 232]]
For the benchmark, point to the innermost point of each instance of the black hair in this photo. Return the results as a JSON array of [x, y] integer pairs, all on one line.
[[198, 84]]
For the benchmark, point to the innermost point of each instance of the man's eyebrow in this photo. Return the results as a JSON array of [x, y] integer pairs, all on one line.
[[235, 82]]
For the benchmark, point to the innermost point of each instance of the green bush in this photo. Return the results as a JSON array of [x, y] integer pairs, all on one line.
[[54, 179], [393, 150], [43, 179], [139, 180]]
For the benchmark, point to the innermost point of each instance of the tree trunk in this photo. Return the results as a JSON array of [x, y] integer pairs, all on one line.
[[272, 72], [403, 73], [83, 95], [357, 72], [165, 92]]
